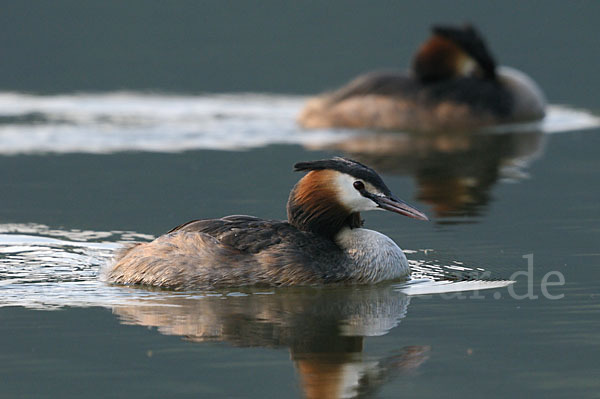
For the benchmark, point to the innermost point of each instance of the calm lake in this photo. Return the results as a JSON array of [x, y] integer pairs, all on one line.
[[121, 121]]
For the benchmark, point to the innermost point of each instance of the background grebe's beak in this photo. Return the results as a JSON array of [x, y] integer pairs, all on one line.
[[394, 204]]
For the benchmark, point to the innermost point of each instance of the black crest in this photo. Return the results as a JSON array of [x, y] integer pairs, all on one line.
[[469, 39], [347, 166]]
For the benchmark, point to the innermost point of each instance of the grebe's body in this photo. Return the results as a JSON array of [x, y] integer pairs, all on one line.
[[454, 84], [321, 243]]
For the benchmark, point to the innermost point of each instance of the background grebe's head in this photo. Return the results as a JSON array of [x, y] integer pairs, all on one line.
[[334, 191], [454, 51]]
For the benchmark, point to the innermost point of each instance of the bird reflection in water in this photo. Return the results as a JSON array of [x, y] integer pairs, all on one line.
[[454, 172], [324, 329]]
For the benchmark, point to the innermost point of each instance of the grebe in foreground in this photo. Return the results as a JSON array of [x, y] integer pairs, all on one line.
[[322, 242], [454, 84]]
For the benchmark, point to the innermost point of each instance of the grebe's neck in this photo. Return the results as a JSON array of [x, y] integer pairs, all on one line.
[[376, 257], [313, 206]]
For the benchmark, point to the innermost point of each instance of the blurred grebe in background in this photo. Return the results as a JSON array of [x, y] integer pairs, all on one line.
[[454, 84]]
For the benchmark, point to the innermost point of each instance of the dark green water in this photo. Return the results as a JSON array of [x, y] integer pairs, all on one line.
[[493, 199]]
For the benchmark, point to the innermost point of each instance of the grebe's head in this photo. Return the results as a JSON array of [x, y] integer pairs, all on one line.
[[454, 52], [334, 192]]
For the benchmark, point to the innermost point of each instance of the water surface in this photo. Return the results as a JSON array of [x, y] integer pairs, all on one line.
[[121, 120], [524, 197]]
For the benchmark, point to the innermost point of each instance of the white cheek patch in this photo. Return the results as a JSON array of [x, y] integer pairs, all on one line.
[[467, 66], [350, 197]]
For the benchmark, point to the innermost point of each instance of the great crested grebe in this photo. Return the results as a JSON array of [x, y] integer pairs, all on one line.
[[322, 241], [454, 84]]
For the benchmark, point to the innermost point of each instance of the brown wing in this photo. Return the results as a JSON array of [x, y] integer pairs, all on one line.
[[232, 251], [483, 94], [384, 83], [253, 235]]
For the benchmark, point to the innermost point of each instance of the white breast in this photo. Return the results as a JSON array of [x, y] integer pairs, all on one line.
[[376, 257], [528, 97]]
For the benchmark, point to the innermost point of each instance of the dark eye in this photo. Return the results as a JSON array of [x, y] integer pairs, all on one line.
[[359, 185]]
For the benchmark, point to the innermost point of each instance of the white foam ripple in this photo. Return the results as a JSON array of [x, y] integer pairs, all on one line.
[[139, 121]]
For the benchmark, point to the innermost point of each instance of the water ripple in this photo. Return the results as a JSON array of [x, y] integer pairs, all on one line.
[[44, 268], [125, 121]]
